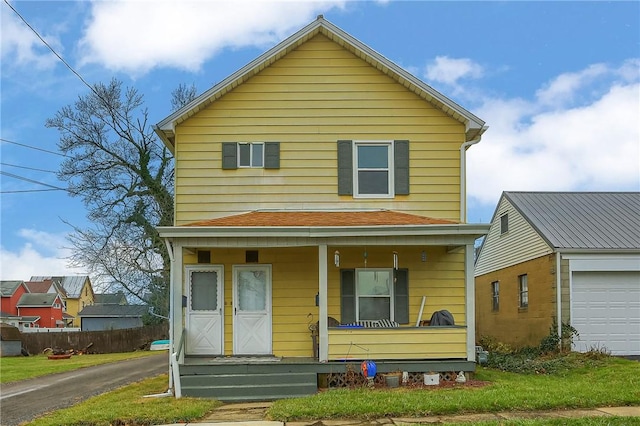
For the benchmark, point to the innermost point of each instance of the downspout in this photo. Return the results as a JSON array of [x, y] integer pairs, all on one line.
[[559, 297], [463, 176]]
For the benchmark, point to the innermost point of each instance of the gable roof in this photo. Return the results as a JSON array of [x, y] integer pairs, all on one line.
[[37, 299], [110, 311], [582, 220], [475, 127], [71, 285], [8, 288], [110, 299]]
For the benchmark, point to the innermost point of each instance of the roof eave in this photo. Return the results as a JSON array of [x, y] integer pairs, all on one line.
[[471, 230]]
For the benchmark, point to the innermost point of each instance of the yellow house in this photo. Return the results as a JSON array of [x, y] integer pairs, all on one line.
[[320, 221]]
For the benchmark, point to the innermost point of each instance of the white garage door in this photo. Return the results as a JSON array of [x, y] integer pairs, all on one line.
[[605, 310]]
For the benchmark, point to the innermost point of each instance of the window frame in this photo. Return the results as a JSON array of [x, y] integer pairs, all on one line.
[[504, 223], [390, 296], [390, 169], [251, 155], [523, 291], [495, 296]]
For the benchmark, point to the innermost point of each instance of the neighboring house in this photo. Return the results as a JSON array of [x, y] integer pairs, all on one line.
[[47, 306], [10, 292], [112, 317], [568, 255], [110, 299], [77, 293], [320, 183], [10, 319]]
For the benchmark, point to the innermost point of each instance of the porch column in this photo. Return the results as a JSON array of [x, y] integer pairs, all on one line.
[[470, 294], [176, 301], [323, 333]]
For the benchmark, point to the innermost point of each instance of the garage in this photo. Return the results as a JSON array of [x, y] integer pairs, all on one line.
[[605, 310]]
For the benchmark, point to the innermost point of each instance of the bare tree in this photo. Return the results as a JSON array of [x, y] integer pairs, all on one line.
[[124, 176]]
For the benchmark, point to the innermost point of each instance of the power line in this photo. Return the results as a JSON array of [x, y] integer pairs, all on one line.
[[95, 92], [30, 190], [32, 181], [34, 147], [28, 168]]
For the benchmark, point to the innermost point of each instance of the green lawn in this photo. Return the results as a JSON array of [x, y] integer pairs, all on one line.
[[610, 382], [20, 368]]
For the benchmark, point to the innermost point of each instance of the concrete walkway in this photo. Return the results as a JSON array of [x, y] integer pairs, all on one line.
[[254, 414]]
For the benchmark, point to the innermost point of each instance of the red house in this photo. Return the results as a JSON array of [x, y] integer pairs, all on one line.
[[11, 291], [47, 306]]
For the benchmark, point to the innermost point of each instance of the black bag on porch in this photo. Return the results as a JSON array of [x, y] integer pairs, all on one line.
[[442, 317]]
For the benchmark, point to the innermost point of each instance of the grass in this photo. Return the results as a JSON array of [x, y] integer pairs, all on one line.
[[127, 406], [21, 368], [614, 382], [581, 383]]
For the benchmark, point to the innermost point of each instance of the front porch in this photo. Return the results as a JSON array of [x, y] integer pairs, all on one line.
[[247, 379]]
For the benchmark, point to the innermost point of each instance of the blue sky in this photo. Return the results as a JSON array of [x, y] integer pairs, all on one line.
[[558, 83]]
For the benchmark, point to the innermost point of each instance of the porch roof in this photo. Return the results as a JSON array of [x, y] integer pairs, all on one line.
[[322, 224]]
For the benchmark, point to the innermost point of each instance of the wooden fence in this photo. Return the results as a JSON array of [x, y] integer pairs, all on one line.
[[99, 342]]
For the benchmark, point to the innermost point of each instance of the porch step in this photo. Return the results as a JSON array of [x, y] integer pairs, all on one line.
[[249, 386]]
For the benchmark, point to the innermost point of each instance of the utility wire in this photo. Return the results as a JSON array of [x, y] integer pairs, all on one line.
[[29, 190], [32, 181], [28, 168], [34, 147], [95, 92]]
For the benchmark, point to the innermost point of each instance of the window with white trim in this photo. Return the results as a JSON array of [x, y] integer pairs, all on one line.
[[373, 169], [504, 223], [251, 154], [374, 294], [523, 294], [495, 296]]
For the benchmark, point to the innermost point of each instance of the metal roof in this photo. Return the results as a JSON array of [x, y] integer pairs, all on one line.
[[582, 220], [72, 285], [475, 127]]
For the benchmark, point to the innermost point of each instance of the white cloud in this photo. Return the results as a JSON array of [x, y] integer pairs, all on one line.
[[184, 34], [444, 69], [545, 145], [20, 46], [42, 254]]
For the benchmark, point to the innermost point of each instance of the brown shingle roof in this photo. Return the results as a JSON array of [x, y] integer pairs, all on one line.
[[325, 218]]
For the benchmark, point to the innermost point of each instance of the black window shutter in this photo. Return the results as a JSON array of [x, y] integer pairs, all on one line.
[[272, 155], [229, 155], [401, 296], [401, 167], [347, 296], [345, 168]]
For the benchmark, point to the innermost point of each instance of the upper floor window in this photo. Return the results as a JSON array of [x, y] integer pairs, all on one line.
[[495, 296], [373, 169], [504, 223], [523, 295], [250, 155]]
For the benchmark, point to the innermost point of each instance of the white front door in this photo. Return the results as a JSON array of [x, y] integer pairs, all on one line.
[[252, 310], [204, 316]]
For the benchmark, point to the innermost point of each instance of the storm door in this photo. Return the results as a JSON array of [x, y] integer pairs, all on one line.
[[204, 314], [252, 310]]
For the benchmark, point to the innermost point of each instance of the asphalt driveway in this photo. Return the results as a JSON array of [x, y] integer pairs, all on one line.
[[28, 399]]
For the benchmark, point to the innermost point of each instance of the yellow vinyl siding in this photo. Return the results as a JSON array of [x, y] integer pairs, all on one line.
[[402, 343], [317, 94]]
